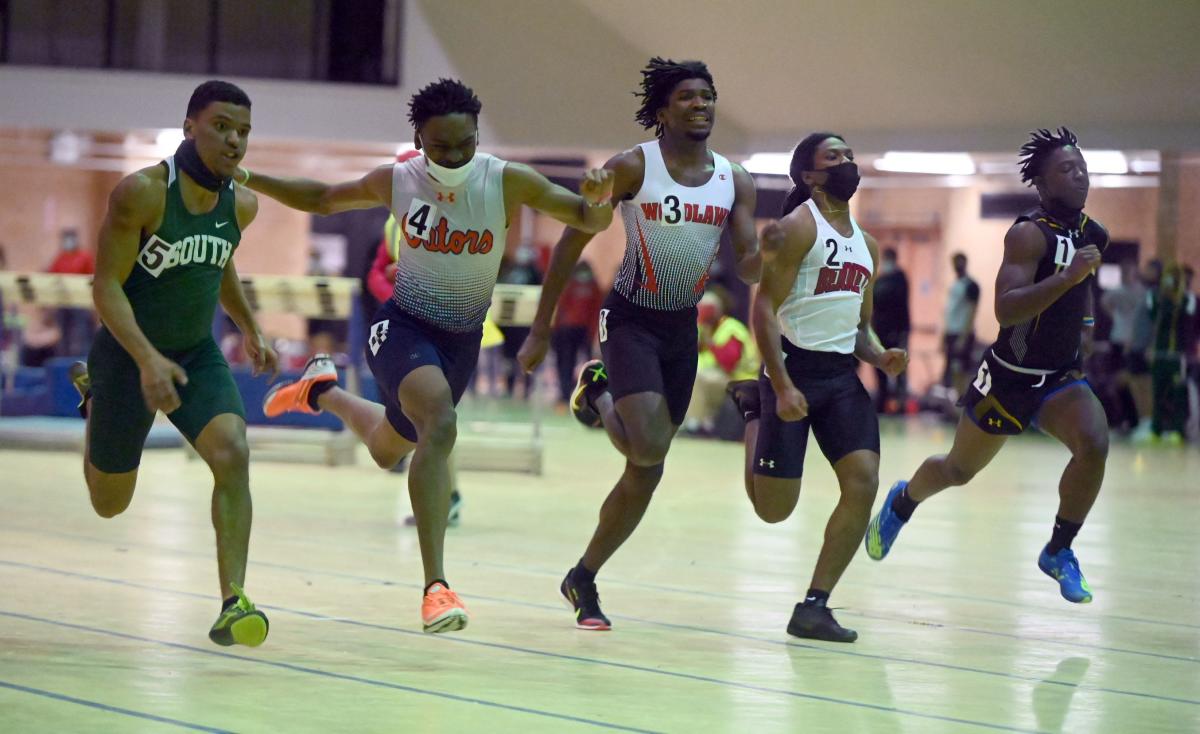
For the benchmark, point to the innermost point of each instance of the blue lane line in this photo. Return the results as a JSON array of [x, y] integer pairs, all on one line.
[[597, 661], [325, 673], [840, 650], [111, 709], [673, 590], [916, 593], [370, 681]]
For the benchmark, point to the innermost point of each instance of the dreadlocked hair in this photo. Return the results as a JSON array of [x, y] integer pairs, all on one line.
[[1041, 144], [803, 159], [659, 78], [443, 97]]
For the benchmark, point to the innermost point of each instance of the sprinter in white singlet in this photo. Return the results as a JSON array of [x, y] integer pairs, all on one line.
[[812, 322], [453, 205], [676, 198]]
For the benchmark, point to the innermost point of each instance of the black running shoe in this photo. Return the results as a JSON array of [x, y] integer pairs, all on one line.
[[593, 381], [744, 394], [83, 384], [816, 622], [585, 600]]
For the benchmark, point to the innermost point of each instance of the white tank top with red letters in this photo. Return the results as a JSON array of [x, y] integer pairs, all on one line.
[[822, 310], [672, 233]]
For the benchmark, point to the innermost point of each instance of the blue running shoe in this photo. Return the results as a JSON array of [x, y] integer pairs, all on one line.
[[885, 526], [1063, 567]]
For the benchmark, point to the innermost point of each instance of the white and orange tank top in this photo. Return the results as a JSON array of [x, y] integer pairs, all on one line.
[[451, 242]]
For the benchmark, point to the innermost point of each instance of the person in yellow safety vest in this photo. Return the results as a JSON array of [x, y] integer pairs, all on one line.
[[727, 353]]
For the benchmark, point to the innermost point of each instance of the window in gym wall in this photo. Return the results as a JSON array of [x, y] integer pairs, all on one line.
[[320, 40]]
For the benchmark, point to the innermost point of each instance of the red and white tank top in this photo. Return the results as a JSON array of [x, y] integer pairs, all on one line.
[[672, 233], [822, 310]]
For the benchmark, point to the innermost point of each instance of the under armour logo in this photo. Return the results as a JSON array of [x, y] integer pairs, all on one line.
[[378, 336], [445, 197], [769, 463], [994, 422], [722, 176]]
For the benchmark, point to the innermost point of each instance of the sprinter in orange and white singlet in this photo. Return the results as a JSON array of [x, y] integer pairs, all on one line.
[[453, 205]]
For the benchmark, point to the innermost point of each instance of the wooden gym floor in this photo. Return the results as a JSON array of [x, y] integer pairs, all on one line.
[[103, 622]]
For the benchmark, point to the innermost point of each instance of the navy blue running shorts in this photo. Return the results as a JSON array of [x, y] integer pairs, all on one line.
[[399, 343]]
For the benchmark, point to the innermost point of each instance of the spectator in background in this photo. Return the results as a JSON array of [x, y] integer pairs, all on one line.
[[382, 276], [76, 325], [1173, 313], [890, 319], [574, 329], [959, 340], [1192, 358], [517, 270], [1122, 304], [727, 353], [1139, 353], [9, 328], [41, 337]]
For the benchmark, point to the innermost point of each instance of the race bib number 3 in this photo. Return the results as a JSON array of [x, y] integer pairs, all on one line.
[[420, 219]]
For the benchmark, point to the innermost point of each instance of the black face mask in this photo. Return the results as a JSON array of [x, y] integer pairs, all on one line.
[[189, 162], [842, 182]]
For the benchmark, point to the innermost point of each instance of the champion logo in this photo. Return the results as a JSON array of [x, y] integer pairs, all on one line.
[[222, 224], [769, 463]]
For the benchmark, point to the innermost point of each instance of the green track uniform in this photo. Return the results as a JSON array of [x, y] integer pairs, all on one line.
[[173, 288]]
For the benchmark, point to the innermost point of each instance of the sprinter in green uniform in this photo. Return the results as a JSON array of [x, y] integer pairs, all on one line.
[[165, 260]]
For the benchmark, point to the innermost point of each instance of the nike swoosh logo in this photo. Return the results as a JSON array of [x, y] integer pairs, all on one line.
[[221, 224]]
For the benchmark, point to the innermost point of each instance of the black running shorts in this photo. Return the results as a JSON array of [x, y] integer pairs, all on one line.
[[840, 413], [1004, 402], [647, 350]]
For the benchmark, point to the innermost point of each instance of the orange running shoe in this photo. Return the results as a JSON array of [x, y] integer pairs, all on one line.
[[298, 396], [442, 610]]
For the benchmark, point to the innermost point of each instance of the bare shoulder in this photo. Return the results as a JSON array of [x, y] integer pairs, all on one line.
[[629, 170], [246, 202], [1024, 241], [800, 226], [141, 194], [743, 182], [872, 244], [631, 161]]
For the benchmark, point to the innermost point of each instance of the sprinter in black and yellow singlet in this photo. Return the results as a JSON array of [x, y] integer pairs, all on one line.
[[165, 260], [1032, 375]]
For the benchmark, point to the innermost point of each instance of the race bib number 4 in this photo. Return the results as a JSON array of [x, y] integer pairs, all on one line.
[[422, 216]]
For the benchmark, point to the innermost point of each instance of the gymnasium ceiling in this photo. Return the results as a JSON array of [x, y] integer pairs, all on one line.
[[917, 75]]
